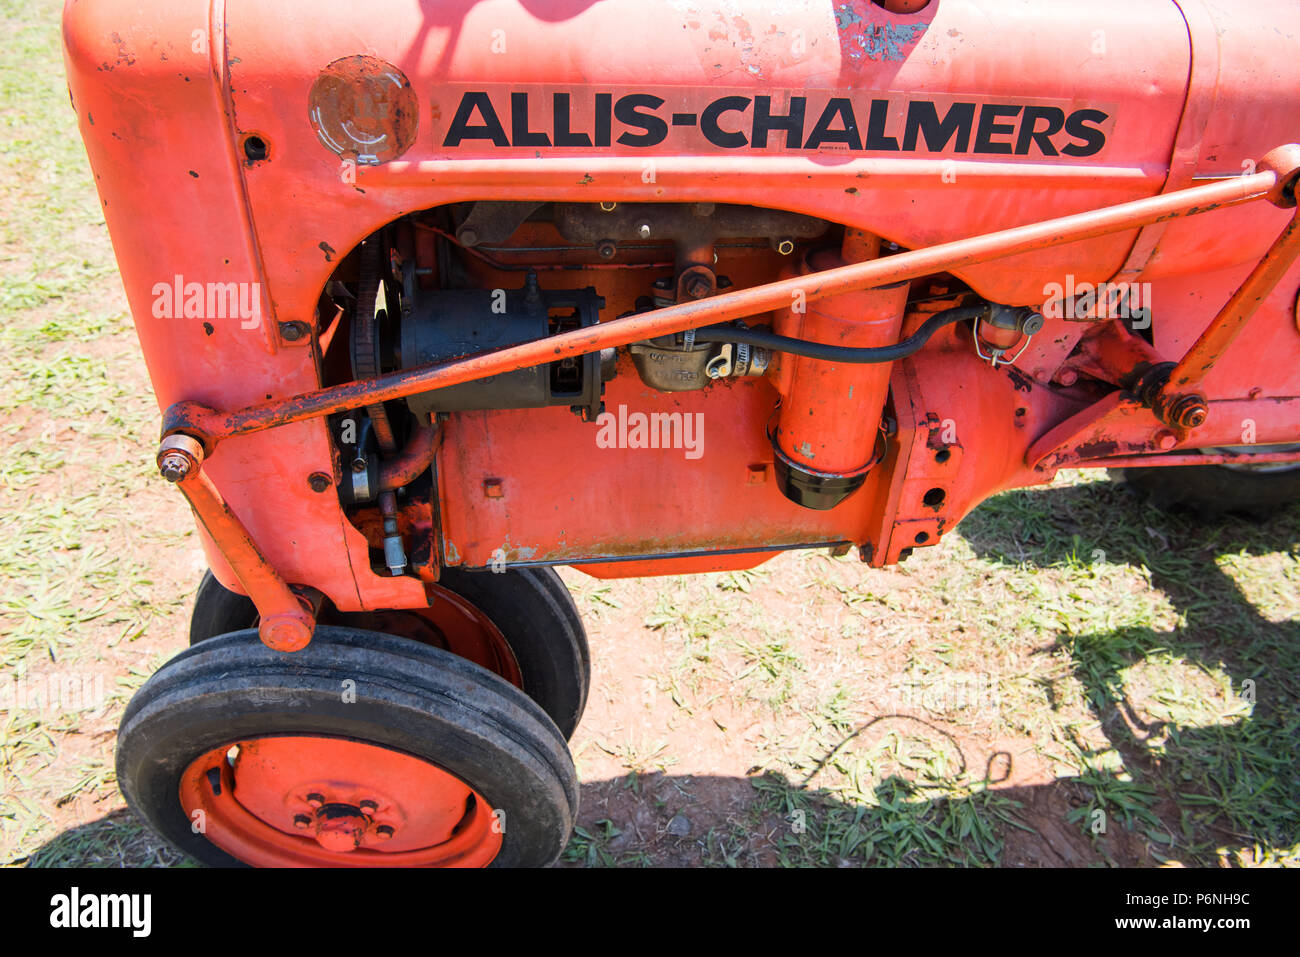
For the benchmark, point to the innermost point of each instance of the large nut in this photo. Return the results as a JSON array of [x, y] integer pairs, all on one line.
[[178, 456]]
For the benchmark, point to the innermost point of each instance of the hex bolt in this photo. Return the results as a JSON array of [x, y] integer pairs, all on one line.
[[368, 807], [293, 331], [785, 246], [301, 821], [607, 249], [174, 466], [384, 832], [1165, 440], [1188, 411], [315, 799], [643, 230], [608, 207], [319, 481], [468, 235], [698, 287]]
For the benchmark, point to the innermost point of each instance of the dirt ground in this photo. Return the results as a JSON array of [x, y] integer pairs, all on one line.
[[1073, 678]]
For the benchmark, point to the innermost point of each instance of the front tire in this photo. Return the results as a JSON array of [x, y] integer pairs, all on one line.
[[215, 753], [521, 624]]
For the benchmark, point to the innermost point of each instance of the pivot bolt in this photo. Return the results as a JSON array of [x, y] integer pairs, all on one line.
[[293, 331], [1188, 411], [174, 466]]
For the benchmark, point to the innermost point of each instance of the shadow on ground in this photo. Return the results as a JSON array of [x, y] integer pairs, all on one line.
[[1184, 793]]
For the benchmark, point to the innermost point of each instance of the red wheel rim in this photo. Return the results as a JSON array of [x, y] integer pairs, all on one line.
[[307, 801], [451, 623]]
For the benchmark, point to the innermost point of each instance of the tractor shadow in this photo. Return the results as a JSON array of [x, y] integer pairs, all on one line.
[[1235, 778], [1185, 789]]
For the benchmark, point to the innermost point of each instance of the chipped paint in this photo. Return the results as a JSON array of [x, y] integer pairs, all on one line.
[[889, 42]]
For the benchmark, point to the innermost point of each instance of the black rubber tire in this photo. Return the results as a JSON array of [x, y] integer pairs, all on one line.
[[531, 608], [420, 700], [1211, 490]]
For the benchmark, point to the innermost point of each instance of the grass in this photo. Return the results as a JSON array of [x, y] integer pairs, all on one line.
[[1072, 677]]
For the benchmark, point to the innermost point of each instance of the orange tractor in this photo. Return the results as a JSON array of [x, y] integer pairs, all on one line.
[[438, 296]]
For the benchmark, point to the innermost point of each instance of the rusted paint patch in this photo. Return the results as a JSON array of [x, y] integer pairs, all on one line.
[[363, 109], [888, 42]]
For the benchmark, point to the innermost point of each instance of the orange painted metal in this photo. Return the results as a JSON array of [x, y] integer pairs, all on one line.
[[286, 621], [451, 623], [170, 124], [308, 801], [1237, 311], [829, 421]]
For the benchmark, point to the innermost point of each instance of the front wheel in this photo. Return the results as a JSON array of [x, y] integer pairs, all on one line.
[[521, 625], [360, 750]]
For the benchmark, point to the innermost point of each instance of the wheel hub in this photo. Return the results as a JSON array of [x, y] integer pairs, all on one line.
[[292, 800]]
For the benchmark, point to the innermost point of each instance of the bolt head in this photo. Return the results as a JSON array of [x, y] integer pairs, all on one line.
[[368, 807], [174, 466], [301, 821], [698, 287], [383, 832], [315, 799], [293, 331], [1165, 440], [643, 230], [319, 481], [468, 236]]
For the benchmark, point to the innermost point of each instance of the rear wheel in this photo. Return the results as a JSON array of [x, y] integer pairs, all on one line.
[[361, 750], [521, 625], [1257, 490]]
